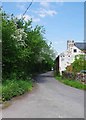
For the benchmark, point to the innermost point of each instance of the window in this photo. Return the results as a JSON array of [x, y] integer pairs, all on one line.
[[75, 50]]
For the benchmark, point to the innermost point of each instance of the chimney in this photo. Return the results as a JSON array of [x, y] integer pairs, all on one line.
[[70, 44]]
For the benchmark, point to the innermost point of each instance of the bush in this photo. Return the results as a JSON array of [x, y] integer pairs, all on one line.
[[25, 50], [79, 63], [12, 88]]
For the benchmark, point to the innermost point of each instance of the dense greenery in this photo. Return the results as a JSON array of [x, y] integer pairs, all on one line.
[[25, 50], [14, 88], [72, 83], [24, 53]]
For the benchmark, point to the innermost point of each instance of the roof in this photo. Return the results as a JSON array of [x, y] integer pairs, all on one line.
[[81, 46]]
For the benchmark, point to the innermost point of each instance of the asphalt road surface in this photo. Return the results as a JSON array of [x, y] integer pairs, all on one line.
[[49, 99]]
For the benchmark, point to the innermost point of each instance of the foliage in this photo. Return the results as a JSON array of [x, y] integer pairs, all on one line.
[[24, 53], [79, 63], [12, 88], [25, 50], [72, 83]]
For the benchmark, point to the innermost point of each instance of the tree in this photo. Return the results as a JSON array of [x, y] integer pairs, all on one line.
[[79, 63], [25, 50]]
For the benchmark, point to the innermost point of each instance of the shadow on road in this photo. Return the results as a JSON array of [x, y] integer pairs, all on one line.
[[46, 76], [42, 78]]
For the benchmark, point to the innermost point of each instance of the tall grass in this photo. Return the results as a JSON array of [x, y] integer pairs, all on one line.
[[12, 88]]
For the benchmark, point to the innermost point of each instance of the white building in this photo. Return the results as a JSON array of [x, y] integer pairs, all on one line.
[[67, 57]]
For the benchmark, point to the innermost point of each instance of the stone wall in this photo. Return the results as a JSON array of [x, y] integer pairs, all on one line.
[[81, 77], [70, 75]]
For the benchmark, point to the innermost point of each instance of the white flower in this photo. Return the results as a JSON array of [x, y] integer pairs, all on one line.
[[20, 36]]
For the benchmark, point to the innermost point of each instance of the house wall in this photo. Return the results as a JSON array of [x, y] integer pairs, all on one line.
[[68, 56]]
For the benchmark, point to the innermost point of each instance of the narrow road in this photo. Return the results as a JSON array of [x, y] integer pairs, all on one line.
[[49, 99]]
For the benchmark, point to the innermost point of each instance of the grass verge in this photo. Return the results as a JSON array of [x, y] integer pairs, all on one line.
[[72, 83], [12, 88], [0, 93]]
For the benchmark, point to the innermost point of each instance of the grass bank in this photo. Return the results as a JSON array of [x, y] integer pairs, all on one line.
[[12, 88], [72, 83], [0, 93]]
